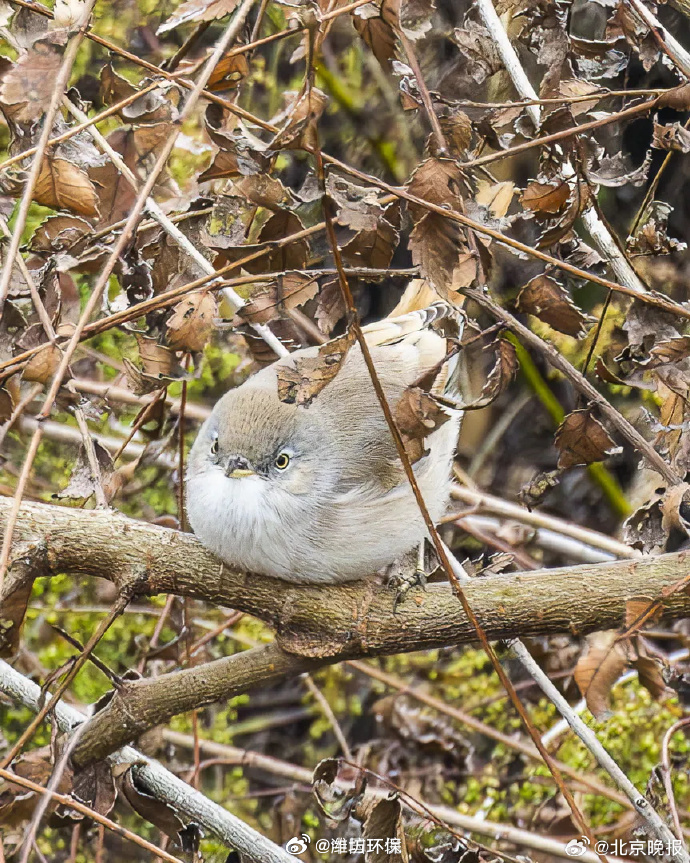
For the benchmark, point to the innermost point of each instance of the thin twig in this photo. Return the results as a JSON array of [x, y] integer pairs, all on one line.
[[631, 434], [40, 810], [72, 803], [642, 806], [666, 772], [103, 280], [61, 80]]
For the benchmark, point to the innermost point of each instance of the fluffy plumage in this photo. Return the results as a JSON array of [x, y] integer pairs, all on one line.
[[342, 507]]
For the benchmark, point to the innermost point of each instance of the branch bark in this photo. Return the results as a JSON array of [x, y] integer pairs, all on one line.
[[314, 625]]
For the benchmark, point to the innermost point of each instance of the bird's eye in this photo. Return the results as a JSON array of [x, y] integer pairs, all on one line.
[[282, 461], [214, 446]]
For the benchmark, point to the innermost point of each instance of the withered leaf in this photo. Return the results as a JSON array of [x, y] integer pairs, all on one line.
[[198, 10], [479, 48], [156, 359], [417, 415], [31, 82], [457, 130], [549, 301], [263, 190], [678, 98], [301, 380], [671, 137], [496, 197], [139, 146], [285, 292], [43, 365], [643, 529], [602, 663], [191, 323], [15, 601], [161, 814], [292, 256], [336, 802], [299, 132], [6, 405], [228, 72], [330, 305], [358, 207], [438, 245], [582, 439], [546, 199], [82, 483], [95, 786], [384, 821], [376, 33], [60, 233], [638, 609], [571, 87], [669, 351], [62, 185], [503, 371], [141, 383]]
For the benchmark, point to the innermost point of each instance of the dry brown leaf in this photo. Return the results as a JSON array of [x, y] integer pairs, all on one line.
[[139, 147], [82, 482], [637, 609], [438, 245], [63, 186], [228, 72], [330, 305], [301, 380], [264, 191], [678, 98], [31, 82], [385, 822], [417, 415], [549, 301], [376, 33], [602, 663], [197, 11], [156, 359], [6, 405], [159, 813], [581, 439], [496, 197], [299, 132], [191, 323], [286, 292], [671, 137], [571, 87], [669, 351], [503, 371], [457, 130], [545, 199], [43, 365]]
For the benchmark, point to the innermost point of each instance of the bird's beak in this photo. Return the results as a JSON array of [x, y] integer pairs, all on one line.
[[237, 467], [238, 473]]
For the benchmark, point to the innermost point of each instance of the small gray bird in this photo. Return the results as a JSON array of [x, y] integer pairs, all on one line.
[[317, 494]]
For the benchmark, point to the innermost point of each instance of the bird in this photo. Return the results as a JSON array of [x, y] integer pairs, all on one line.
[[317, 494]]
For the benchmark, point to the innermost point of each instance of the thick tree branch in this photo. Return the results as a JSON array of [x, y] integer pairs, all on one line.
[[315, 625]]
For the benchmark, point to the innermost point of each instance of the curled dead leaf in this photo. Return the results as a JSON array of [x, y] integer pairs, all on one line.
[[301, 380], [286, 292], [581, 439], [191, 323], [548, 300], [417, 415], [64, 186], [600, 666], [43, 365]]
